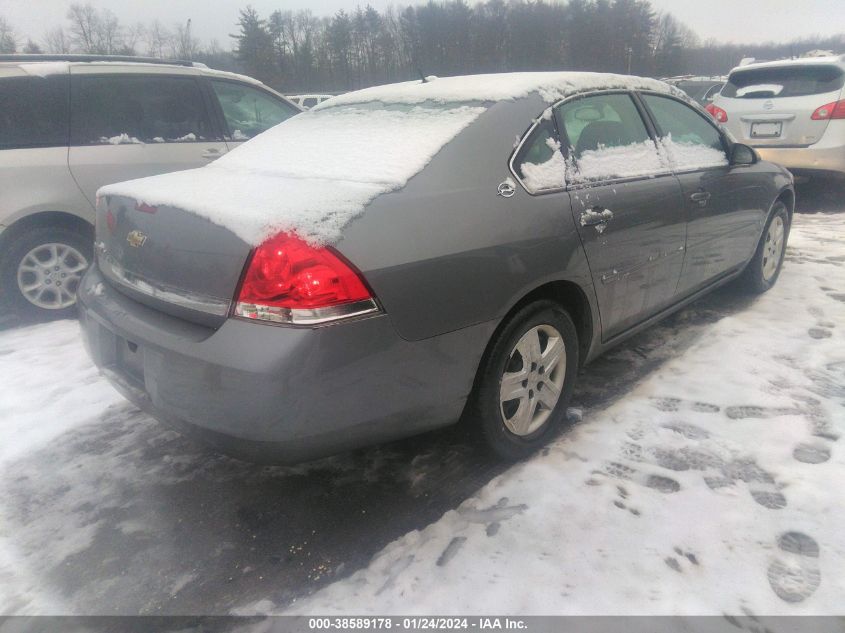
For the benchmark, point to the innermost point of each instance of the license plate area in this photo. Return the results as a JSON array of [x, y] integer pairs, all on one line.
[[766, 129], [130, 360]]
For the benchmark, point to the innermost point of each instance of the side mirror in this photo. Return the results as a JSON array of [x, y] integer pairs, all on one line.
[[743, 155]]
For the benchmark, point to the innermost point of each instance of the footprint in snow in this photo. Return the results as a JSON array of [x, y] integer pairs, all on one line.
[[794, 575], [819, 333], [811, 453], [451, 550], [655, 482], [673, 405], [760, 413], [689, 431]]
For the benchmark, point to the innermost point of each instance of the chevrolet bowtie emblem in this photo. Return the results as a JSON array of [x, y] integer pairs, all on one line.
[[136, 239]]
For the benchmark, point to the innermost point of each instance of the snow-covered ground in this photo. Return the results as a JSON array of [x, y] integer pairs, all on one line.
[[713, 486]]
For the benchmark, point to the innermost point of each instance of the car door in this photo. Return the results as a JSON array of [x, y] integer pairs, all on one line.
[[248, 110], [126, 126], [720, 201], [627, 207]]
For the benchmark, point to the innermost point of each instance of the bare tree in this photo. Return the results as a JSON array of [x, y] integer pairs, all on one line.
[[8, 40], [187, 45], [84, 28], [158, 39], [56, 41], [110, 35]]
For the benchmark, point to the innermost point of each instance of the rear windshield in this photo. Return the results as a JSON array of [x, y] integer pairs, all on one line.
[[791, 81]]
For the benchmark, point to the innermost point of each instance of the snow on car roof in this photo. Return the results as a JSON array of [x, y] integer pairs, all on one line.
[[551, 86]]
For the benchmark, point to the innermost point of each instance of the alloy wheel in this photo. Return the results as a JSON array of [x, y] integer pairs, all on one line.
[[49, 275], [773, 247], [531, 384]]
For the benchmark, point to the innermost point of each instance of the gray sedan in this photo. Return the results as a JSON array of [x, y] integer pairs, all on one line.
[[407, 256]]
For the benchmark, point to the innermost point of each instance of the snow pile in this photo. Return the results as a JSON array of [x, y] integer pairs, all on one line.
[[121, 139], [552, 86], [685, 155], [550, 174], [627, 161], [45, 69], [711, 488], [312, 173], [63, 404]]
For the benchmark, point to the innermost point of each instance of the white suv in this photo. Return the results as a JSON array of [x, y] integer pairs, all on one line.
[[791, 111], [71, 124]]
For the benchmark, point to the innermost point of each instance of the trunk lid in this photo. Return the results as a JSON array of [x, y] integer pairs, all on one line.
[[772, 106], [169, 259]]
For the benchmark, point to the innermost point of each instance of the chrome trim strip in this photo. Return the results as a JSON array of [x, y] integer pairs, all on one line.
[[168, 294], [316, 316]]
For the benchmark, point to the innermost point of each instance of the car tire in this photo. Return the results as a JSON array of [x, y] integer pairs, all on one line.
[[513, 428], [49, 261], [763, 270]]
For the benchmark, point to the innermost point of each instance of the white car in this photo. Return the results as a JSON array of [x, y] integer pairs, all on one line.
[[791, 111]]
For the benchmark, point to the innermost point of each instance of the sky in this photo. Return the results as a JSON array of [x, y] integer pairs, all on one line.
[[748, 21]]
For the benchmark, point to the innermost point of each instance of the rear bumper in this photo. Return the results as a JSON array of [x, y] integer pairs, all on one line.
[[279, 394], [816, 158]]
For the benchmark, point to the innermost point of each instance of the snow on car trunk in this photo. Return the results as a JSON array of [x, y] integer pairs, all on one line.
[[311, 174]]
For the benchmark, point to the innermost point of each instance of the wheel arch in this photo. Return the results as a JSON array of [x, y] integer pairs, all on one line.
[[46, 219], [787, 196], [570, 296]]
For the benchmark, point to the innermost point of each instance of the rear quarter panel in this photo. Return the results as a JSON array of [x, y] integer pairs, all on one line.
[[35, 180], [447, 252]]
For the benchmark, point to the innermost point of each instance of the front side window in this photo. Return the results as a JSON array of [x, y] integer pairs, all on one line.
[[607, 139], [688, 138], [33, 112], [249, 111], [127, 109]]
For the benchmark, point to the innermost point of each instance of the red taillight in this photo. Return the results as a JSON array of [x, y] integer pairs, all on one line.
[[289, 281], [717, 113], [835, 110], [143, 207]]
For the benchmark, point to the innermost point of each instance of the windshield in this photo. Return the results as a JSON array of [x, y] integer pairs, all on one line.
[[785, 81]]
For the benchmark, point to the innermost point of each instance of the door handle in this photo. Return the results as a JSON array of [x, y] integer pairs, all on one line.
[[597, 217], [701, 197], [211, 154]]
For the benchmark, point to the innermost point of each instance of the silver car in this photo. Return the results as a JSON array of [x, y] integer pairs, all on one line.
[[392, 260], [792, 112], [71, 124]]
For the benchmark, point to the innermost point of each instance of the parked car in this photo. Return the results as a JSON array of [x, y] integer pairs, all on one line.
[[391, 259], [702, 89], [70, 124], [308, 101], [792, 112]]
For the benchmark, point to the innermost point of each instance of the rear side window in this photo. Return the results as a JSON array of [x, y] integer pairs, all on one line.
[[126, 109], [787, 81], [33, 112], [539, 162], [249, 111], [607, 139], [688, 138]]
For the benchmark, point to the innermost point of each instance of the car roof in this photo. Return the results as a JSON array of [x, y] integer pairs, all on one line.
[[835, 60], [551, 86], [44, 65]]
